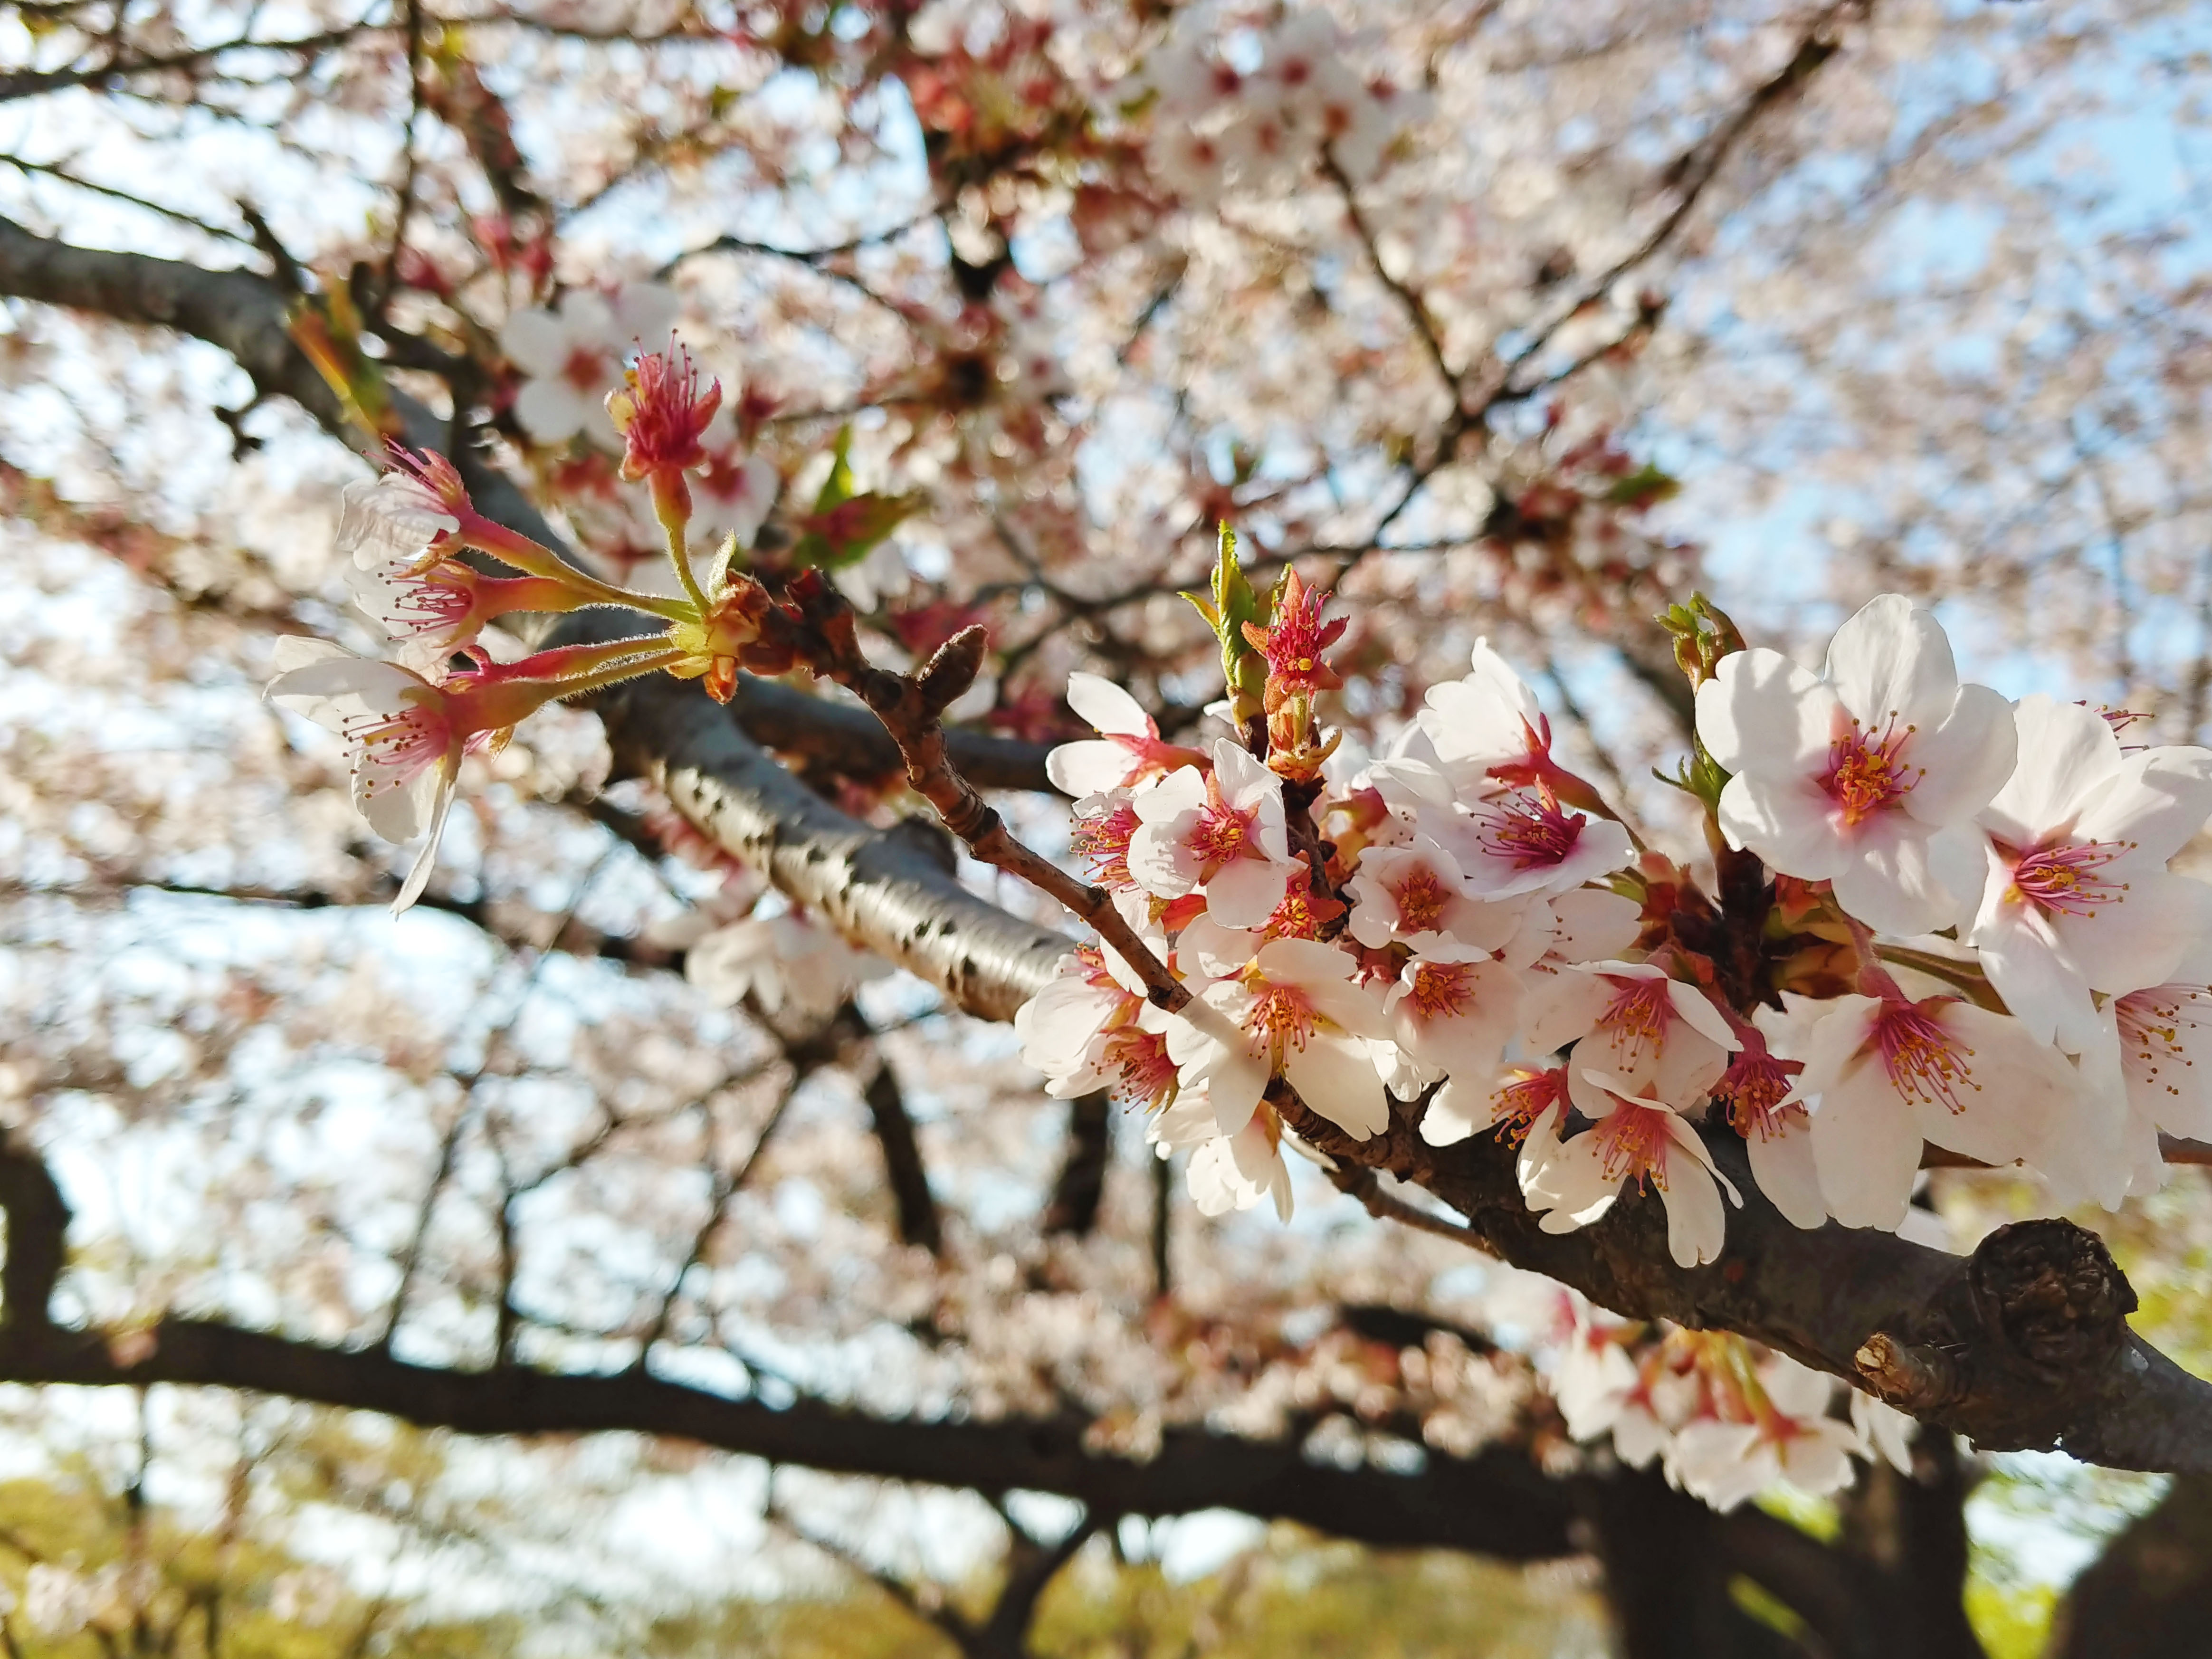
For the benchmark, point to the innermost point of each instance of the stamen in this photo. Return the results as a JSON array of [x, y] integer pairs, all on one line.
[[1102, 839], [1865, 774], [1421, 898], [1527, 828], [1923, 1061], [1640, 1017], [2064, 879], [2156, 1027], [1634, 1139], [1223, 834], [1515, 1106], [1442, 990], [1281, 1017], [1751, 1089], [1147, 1075]]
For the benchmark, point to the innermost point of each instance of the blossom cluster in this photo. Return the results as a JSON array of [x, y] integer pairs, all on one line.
[[1724, 1417], [1244, 109], [1944, 918]]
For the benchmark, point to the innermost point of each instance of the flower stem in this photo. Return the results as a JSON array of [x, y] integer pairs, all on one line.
[[671, 505], [519, 552], [615, 673]]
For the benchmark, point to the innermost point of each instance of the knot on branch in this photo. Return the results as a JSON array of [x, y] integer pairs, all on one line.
[[2055, 1293], [2017, 1347]]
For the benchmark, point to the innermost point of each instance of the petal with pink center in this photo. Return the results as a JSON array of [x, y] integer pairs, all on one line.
[[2034, 973]]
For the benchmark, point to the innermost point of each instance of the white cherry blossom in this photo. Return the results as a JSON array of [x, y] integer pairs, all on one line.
[[1850, 778], [1222, 830], [572, 358], [1413, 895], [1882, 1074], [1128, 749], [2078, 896], [783, 962], [1452, 1017], [1631, 1020], [1636, 1136], [1292, 1010], [1487, 727]]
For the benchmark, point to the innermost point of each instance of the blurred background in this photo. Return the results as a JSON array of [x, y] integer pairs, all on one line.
[[1505, 319]]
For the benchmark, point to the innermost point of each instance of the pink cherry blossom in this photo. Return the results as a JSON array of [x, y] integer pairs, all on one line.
[[407, 734], [1128, 749], [1222, 831], [1851, 778], [2078, 896], [1488, 727], [1521, 841], [572, 358], [1452, 1017], [1516, 1105]]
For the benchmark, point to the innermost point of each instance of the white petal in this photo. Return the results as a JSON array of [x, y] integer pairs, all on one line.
[[1090, 766], [2070, 752], [551, 411], [1866, 1148], [1697, 1228], [1968, 757], [1782, 1165], [1762, 713], [1336, 1077], [1786, 820], [441, 810], [535, 341], [1106, 707], [1244, 892], [1892, 661]]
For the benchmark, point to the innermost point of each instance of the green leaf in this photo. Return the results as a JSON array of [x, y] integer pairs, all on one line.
[[845, 524], [1641, 487]]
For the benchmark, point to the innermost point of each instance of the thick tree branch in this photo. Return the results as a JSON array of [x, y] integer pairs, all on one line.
[[1495, 1502]]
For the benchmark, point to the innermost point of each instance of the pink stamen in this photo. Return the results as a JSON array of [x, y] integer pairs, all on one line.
[[1281, 1016], [1102, 839], [1634, 1139], [1528, 828], [1866, 774], [1753, 1089], [1925, 1062], [1147, 1075], [1638, 1018], [1514, 1107], [1421, 898], [1223, 834], [2150, 1026], [2064, 879]]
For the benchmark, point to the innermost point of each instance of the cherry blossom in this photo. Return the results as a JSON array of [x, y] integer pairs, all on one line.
[[1882, 1074], [1292, 1010], [1222, 830], [1636, 1136], [1850, 778], [1488, 727], [1452, 1018], [1526, 1100], [1756, 1092], [572, 358], [2078, 896], [782, 961], [1522, 841], [406, 735], [663, 416], [1413, 894], [1128, 749], [434, 608], [1631, 1020]]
